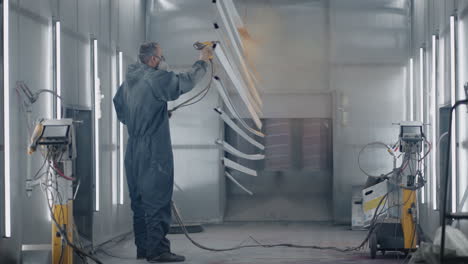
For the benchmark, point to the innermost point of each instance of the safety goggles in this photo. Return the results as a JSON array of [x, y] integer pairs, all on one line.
[[160, 58]]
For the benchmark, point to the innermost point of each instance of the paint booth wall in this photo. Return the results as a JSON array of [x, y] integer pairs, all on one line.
[[289, 47], [433, 18], [116, 24], [345, 62], [325, 65], [368, 60], [201, 188], [199, 181]]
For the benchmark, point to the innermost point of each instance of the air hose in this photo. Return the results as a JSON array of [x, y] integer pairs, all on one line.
[[180, 222], [192, 100]]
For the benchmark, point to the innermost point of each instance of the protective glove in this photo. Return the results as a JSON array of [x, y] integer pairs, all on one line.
[[206, 53]]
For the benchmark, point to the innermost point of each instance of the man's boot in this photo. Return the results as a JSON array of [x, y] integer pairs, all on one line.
[[166, 258]]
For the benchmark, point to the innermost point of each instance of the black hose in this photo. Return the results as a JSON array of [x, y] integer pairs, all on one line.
[[259, 245], [204, 91]]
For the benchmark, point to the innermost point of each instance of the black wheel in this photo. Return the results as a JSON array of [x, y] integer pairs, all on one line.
[[373, 245]]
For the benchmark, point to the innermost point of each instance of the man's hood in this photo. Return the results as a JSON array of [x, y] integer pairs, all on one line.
[[136, 71]]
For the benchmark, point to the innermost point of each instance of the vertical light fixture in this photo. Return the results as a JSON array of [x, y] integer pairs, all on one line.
[[434, 123], [115, 132], [411, 89], [453, 79], [421, 112], [121, 140], [58, 70], [6, 119], [97, 115]]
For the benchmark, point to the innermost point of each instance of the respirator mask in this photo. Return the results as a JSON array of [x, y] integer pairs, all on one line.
[[162, 65]]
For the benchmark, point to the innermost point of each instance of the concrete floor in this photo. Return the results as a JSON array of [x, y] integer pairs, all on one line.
[[232, 234]]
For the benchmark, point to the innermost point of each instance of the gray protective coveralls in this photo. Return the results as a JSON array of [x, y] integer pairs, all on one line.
[[141, 104]]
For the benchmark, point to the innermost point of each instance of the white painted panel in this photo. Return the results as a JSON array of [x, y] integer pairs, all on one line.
[[228, 148], [239, 84], [230, 177], [238, 130], [238, 167], [228, 103]]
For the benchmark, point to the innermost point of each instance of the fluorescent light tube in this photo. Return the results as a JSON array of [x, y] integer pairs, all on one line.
[[421, 113], [58, 69], [452, 102], [434, 126], [121, 139], [6, 120], [97, 99], [411, 90]]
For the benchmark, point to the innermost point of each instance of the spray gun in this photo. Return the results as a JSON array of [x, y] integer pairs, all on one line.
[[201, 45]]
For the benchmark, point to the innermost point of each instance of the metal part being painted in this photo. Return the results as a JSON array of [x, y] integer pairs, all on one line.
[[236, 166], [239, 84], [235, 152], [224, 96], [238, 130], [230, 177]]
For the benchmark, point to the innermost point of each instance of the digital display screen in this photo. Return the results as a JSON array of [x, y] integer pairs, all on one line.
[[55, 132], [411, 130]]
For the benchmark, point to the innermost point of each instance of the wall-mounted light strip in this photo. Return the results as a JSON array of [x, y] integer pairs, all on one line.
[[421, 112], [115, 131], [58, 70], [6, 119], [97, 113], [453, 98], [434, 124], [121, 140], [421, 84], [411, 90]]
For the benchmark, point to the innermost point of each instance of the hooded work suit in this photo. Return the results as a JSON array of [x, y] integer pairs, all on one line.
[[141, 104]]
